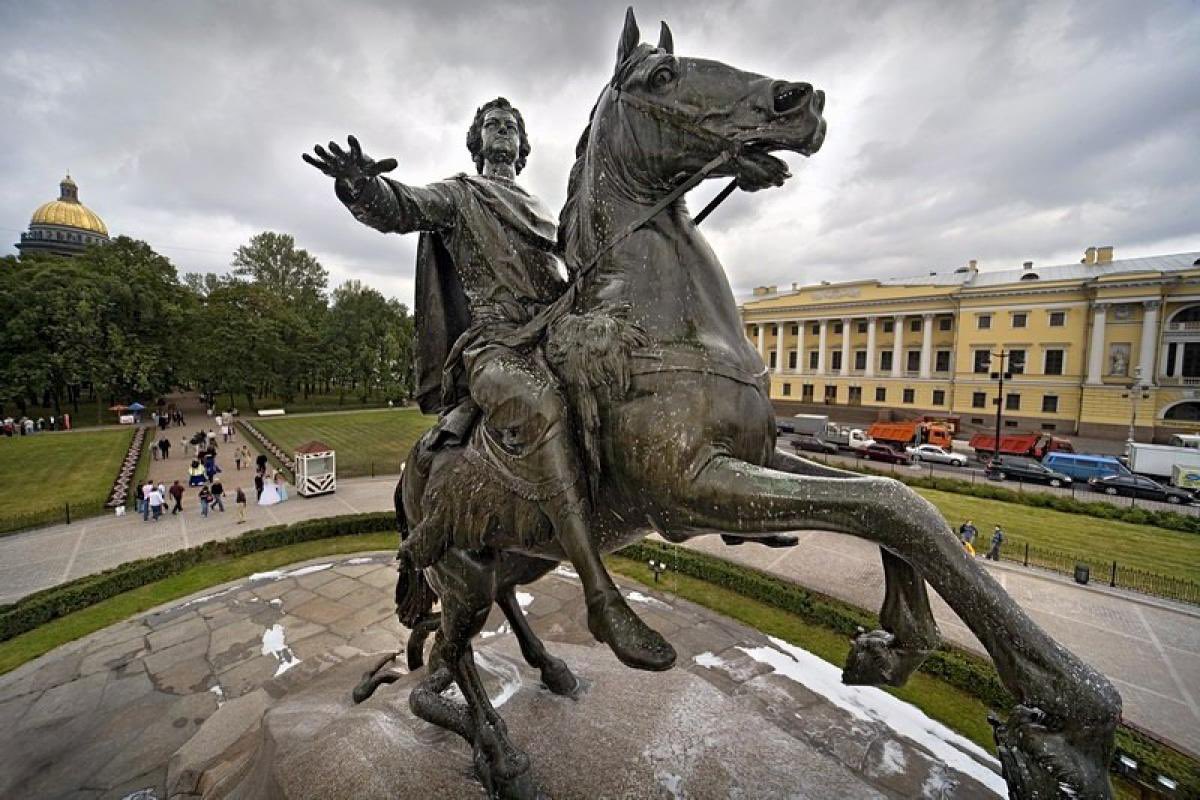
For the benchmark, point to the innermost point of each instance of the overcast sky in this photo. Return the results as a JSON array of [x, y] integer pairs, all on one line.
[[999, 131]]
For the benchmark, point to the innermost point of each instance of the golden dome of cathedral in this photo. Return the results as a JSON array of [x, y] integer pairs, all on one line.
[[68, 212]]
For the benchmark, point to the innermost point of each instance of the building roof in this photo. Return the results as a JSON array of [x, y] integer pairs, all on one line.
[[967, 278], [68, 212], [314, 446]]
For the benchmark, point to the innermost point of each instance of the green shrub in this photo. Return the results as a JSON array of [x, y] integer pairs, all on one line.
[[58, 601]]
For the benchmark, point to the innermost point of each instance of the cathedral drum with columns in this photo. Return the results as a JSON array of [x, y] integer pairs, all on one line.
[[1094, 347], [63, 227]]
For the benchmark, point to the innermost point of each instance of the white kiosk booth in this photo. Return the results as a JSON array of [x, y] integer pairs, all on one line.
[[316, 471]]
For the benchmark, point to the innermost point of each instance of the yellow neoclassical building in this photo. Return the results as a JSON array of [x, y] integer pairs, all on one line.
[[1078, 336]]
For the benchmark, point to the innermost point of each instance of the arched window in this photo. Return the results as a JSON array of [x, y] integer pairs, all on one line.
[[1029, 276], [1187, 411], [1189, 314]]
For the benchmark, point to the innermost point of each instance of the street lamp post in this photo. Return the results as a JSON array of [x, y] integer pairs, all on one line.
[[1133, 392], [1015, 361]]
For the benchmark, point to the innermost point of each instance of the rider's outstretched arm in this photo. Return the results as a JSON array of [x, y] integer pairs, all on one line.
[[393, 207]]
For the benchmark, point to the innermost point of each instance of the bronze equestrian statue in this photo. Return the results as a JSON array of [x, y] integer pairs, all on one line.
[[671, 424]]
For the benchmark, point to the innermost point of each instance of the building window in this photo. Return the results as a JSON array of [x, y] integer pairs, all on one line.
[[939, 397], [1016, 362], [1010, 423], [816, 328], [909, 396], [862, 327], [860, 359], [787, 389], [880, 394], [915, 326], [945, 323], [835, 360], [914, 360], [1012, 402], [1049, 426], [793, 357], [775, 330], [941, 361], [754, 330], [885, 361], [795, 330], [983, 321], [837, 327], [976, 420], [831, 394], [773, 358], [855, 396], [814, 359], [978, 400], [1019, 320], [806, 392], [1049, 404], [1054, 362], [983, 360], [1058, 319], [889, 325]]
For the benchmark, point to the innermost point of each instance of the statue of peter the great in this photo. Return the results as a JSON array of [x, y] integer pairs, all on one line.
[[486, 265]]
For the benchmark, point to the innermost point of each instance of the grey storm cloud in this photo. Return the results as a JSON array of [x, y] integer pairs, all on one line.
[[998, 131]]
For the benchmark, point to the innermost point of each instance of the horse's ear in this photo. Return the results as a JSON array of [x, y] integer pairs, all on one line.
[[630, 37], [666, 42]]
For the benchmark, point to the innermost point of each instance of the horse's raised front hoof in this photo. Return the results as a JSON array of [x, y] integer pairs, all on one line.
[[776, 540], [501, 767], [558, 678], [876, 659], [1041, 760], [633, 642]]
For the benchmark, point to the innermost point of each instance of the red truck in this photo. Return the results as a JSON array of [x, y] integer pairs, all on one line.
[[1028, 445], [912, 432]]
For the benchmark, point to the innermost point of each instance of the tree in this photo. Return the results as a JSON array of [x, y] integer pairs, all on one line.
[[272, 261]]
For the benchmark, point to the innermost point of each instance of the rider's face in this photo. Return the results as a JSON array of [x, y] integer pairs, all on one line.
[[501, 138]]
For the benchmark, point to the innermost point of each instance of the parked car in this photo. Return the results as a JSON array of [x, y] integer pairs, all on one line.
[[935, 454], [811, 444], [1142, 488], [882, 452], [1024, 469], [1084, 466]]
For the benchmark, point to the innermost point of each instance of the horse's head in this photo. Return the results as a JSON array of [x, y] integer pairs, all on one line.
[[682, 112]]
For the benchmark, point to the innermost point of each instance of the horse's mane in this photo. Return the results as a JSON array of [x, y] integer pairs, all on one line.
[[570, 229]]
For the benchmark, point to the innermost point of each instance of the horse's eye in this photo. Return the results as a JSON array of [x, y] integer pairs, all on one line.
[[661, 78]]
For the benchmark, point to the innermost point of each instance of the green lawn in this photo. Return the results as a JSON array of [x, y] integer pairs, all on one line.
[[366, 442], [1099, 541], [39, 474]]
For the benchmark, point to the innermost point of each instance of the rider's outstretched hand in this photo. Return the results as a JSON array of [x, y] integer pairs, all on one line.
[[351, 166]]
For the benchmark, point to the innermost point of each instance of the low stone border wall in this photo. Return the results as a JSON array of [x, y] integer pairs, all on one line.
[[120, 488], [270, 447]]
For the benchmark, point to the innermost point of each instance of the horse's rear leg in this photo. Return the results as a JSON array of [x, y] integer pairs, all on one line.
[[908, 632], [555, 673], [1061, 731]]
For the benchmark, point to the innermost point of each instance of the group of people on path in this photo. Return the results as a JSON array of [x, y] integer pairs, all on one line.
[[152, 499], [967, 533], [27, 426]]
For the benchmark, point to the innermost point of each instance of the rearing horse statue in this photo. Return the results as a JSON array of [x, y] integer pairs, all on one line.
[[672, 400]]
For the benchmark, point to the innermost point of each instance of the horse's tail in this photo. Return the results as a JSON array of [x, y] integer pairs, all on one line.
[[414, 595]]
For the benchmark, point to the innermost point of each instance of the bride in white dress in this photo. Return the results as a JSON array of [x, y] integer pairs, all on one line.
[[270, 494]]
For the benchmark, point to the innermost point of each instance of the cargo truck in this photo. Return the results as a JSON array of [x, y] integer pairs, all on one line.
[[914, 432], [1026, 445], [1158, 461]]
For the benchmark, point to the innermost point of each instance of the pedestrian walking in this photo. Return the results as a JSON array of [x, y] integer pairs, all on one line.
[[154, 451], [147, 488], [258, 486], [261, 463], [205, 498], [240, 500], [164, 446], [156, 503], [281, 486], [218, 494], [176, 492], [997, 540], [967, 532], [237, 458]]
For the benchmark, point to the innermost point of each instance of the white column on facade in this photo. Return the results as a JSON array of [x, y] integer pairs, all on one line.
[[1095, 371], [822, 341], [898, 346], [762, 343], [845, 346], [1149, 341], [1178, 371], [870, 371], [927, 346], [779, 355], [800, 326]]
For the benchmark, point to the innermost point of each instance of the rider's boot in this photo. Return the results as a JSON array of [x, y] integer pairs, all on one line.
[[610, 619]]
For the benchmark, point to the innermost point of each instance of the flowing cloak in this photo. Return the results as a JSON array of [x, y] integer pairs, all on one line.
[[486, 265]]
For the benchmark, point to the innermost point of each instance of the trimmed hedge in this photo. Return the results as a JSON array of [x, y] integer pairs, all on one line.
[[1171, 520], [961, 669], [49, 604]]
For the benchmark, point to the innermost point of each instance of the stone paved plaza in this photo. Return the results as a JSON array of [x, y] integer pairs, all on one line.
[[248, 685]]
